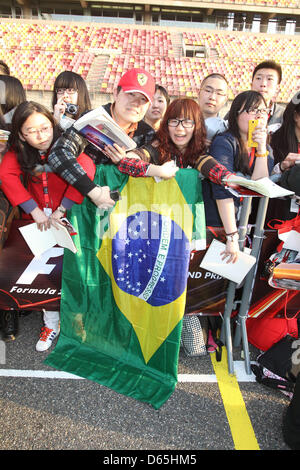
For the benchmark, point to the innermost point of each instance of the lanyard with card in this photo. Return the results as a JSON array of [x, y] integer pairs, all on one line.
[[47, 210]]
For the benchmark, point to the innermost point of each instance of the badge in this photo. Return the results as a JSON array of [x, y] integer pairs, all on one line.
[[142, 79], [47, 211]]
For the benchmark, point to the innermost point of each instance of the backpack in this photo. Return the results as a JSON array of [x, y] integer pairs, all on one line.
[[193, 336], [7, 214], [290, 179], [279, 367], [199, 335]]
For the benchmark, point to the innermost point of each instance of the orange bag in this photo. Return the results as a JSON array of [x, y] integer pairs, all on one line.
[[287, 271]]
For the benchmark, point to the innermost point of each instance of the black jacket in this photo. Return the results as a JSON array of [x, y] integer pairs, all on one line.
[[67, 148]]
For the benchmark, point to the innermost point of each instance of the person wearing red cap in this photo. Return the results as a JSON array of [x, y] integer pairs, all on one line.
[[132, 98]]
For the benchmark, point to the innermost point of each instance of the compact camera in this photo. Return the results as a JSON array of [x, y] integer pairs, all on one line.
[[72, 109], [115, 195]]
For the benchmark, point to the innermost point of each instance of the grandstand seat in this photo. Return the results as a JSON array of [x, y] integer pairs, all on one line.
[[37, 51]]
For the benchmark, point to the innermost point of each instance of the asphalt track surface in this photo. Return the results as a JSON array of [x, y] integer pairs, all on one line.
[[43, 411]]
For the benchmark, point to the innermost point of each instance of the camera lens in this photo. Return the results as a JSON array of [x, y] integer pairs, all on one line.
[[71, 108]]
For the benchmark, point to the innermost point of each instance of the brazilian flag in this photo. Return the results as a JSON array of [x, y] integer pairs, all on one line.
[[124, 291]]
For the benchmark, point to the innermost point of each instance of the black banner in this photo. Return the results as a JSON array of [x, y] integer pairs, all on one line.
[[28, 282], [34, 283]]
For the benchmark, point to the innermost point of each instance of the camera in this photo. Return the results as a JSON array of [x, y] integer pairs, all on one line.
[[72, 109], [115, 195]]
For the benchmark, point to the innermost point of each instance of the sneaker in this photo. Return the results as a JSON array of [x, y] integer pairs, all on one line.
[[46, 337]]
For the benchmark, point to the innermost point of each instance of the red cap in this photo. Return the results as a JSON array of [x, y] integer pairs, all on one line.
[[138, 80]]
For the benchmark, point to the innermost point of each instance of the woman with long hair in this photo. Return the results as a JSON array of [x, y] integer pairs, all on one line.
[[70, 97], [285, 143], [180, 142], [231, 150], [29, 183], [286, 140], [12, 93], [180, 139]]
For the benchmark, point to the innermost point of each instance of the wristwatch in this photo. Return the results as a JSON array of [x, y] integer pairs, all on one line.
[[61, 209], [232, 236]]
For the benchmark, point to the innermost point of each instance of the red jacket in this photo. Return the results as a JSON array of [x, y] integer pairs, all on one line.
[[14, 189]]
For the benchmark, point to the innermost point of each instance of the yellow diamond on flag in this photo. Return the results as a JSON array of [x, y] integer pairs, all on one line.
[[152, 323]]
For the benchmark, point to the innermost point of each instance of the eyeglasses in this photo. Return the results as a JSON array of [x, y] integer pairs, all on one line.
[[62, 91], [187, 123], [210, 91], [35, 132], [256, 111]]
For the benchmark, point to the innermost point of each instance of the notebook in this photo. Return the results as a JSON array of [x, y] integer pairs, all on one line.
[[236, 272]]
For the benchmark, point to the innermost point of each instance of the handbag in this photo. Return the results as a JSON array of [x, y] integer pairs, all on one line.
[[278, 367], [264, 332], [286, 276], [290, 179], [7, 214], [193, 336]]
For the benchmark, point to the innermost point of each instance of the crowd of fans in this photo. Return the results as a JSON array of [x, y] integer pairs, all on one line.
[[47, 166]]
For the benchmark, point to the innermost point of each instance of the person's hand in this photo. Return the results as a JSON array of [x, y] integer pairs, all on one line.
[[289, 161], [231, 251], [42, 221], [228, 179], [55, 217], [260, 135], [115, 153], [168, 170], [101, 198], [59, 109]]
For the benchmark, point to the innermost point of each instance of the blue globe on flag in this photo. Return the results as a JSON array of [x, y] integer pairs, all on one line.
[[150, 258]]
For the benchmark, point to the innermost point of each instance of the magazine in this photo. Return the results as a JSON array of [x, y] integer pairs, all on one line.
[[39, 242], [100, 129], [263, 186]]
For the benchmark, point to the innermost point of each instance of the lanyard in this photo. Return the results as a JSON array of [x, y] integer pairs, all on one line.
[[45, 184], [251, 157], [178, 161]]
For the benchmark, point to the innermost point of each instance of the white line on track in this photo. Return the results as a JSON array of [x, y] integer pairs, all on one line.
[[184, 378]]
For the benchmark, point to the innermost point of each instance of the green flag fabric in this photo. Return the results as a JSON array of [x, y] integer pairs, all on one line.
[[124, 291]]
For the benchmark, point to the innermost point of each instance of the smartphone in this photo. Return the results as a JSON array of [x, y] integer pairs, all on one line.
[[251, 126], [115, 195]]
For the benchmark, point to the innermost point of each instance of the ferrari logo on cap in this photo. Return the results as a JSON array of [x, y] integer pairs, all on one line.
[[142, 79]]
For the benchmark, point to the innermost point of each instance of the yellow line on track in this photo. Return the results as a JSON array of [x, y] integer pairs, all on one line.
[[240, 424]]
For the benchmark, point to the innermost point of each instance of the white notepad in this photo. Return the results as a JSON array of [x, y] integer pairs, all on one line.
[[39, 242], [292, 240], [236, 272]]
